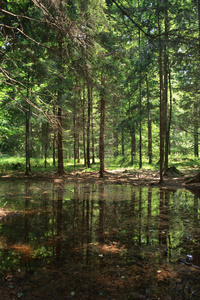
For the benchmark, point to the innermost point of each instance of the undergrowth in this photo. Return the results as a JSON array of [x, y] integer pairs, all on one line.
[[17, 164]]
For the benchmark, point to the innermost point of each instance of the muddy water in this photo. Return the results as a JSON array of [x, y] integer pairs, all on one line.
[[75, 241]]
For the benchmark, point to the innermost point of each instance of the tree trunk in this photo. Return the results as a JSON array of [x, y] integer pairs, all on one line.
[[84, 139], [27, 140], [133, 145], [78, 141], [122, 141], [60, 143], [102, 123], [74, 125], [167, 139], [115, 137], [92, 127], [196, 108], [59, 119], [54, 141], [149, 124], [88, 121], [161, 104], [28, 133], [196, 126], [46, 130], [165, 90], [140, 105]]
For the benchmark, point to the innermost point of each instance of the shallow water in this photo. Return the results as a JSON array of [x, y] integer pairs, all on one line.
[[108, 242]]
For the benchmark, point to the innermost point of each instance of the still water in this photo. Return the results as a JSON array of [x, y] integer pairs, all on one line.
[[87, 241]]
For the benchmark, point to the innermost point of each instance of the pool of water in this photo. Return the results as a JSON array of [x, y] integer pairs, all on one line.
[[86, 241]]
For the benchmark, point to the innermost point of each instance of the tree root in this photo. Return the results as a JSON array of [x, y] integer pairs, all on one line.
[[194, 179]]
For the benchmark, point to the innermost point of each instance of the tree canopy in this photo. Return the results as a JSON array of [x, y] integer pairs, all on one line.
[[98, 79]]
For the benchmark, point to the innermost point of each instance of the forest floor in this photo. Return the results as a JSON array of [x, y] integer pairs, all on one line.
[[171, 180], [137, 178]]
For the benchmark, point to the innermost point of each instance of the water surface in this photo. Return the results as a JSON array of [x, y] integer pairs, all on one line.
[[86, 241]]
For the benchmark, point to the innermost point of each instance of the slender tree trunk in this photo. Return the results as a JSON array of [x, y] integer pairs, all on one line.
[[92, 127], [54, 148], [54, 141], [133, 145], [28, 133], [84, 139], [115, 132], [140, 104], [27, 140], [115, 137], [102, 124], [59, 119], [46, 143], [140, 124], [149, 124], [74, 125], [161, 104], [122, 140], [167, 140], [60, 143], [78, 141], [196, 108], [88, 121], [165, 90], [196, 126]]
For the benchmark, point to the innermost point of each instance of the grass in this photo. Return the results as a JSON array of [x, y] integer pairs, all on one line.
[[7, 164]]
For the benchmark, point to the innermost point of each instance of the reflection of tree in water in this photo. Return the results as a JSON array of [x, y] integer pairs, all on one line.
[[117, 234], [196, 231], [59, 222], [149, 215], [163, 217], [26, 215], [101, 213]]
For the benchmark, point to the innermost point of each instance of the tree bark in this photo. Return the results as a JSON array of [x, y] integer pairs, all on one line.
[[165, 90], [27, 141], [92, 128], [60, 143], [196, 126], [46, 141], [149, 124], [161, 104], [88, 121], [59, 116], [28, 133], [102, 124], [122, 140], [140, 105], [115, 137], [74, 125], [84, 139], [196, 109], [167, 139], [133, 145], [54, 141]]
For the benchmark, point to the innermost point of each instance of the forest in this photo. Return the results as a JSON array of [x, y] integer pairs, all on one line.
[[97, 81], [99, 149]]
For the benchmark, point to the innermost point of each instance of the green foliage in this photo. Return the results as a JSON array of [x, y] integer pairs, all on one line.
[[67, 47]]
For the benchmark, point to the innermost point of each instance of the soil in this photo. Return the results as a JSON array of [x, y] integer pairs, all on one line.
[[171, 180]]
